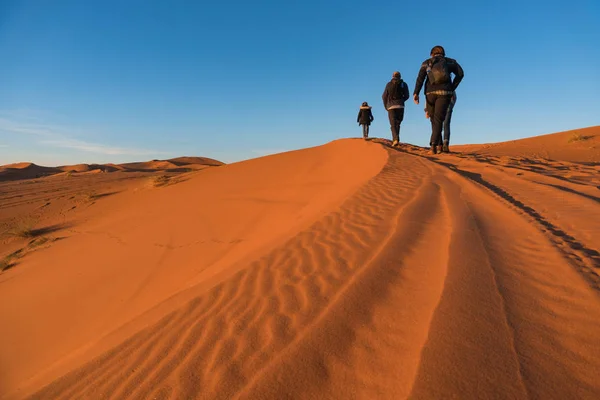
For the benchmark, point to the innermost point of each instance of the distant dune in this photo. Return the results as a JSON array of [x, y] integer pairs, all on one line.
[[27, 170], [350, 270], [90, 167], [578, 145], [172, 164], [179, 161]]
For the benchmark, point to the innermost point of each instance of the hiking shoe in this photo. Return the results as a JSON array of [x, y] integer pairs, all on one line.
[[432, 150], [445, 148], [395, 143], [439, 148]]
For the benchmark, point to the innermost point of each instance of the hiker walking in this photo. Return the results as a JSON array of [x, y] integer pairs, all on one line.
[[438, 92], [447, 120], [364, 118], [394, 96]]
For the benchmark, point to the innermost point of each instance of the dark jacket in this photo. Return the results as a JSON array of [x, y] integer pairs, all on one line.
[[453, 100], [365, 117], [397, 101], [453, 67]]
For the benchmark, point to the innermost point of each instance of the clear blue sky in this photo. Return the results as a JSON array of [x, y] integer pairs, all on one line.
[[117, 81]]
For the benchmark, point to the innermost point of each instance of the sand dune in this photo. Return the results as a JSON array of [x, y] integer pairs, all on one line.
[[172, 164], [349, 270], [149, 165], [18, 171], [26, 170], [180, 161], [80, 168], [578, 145], [75, 168]]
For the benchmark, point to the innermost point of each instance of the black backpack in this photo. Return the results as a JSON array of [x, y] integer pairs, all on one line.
[[437, 71], [396, 92]]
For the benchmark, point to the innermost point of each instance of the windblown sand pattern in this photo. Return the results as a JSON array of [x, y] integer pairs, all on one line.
[[439, 277]]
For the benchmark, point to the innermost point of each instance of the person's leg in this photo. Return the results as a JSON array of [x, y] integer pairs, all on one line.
[[397, 125], [365, 130], [392, 118], [430, 107], [432, 145], [399, 118], [447, 127], [441, 104]]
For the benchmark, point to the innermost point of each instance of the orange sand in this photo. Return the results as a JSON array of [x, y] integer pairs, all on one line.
[[350, 270]]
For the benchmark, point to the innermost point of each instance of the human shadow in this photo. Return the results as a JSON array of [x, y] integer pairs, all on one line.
[[34, 233], [103, 195]]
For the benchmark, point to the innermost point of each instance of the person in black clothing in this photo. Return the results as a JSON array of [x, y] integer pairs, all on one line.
[[364, 118], [394, 96], [438, 92], [447, 120]]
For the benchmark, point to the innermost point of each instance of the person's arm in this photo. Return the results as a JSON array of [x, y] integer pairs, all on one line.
[[459, 74], [358, 117], [405, 94], [384, 96], [419, 84], [371, 116]]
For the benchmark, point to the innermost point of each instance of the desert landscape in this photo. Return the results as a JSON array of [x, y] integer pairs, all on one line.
[[350, 270]]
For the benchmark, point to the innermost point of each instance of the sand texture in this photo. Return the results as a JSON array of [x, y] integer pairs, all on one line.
[[350, 270]]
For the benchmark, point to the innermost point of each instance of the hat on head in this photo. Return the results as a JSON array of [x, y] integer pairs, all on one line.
[[365, 104], [396, 74]]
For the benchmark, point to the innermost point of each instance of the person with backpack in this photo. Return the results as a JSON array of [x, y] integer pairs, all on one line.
[[394, 96], [438, 92], [447, 120], [364, 118]]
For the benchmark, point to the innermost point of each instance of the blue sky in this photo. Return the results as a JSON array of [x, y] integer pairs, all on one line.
[[117, 81]]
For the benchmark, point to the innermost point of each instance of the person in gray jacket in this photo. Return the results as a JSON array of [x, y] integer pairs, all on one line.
[[394, 96]]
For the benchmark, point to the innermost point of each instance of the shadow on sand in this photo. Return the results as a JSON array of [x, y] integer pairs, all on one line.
[[592, 255]]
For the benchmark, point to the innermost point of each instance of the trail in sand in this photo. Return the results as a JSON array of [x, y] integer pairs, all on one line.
[[440, 277]]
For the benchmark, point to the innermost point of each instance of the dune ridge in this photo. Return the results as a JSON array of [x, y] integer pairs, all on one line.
[[464, 275], [164, 225]]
